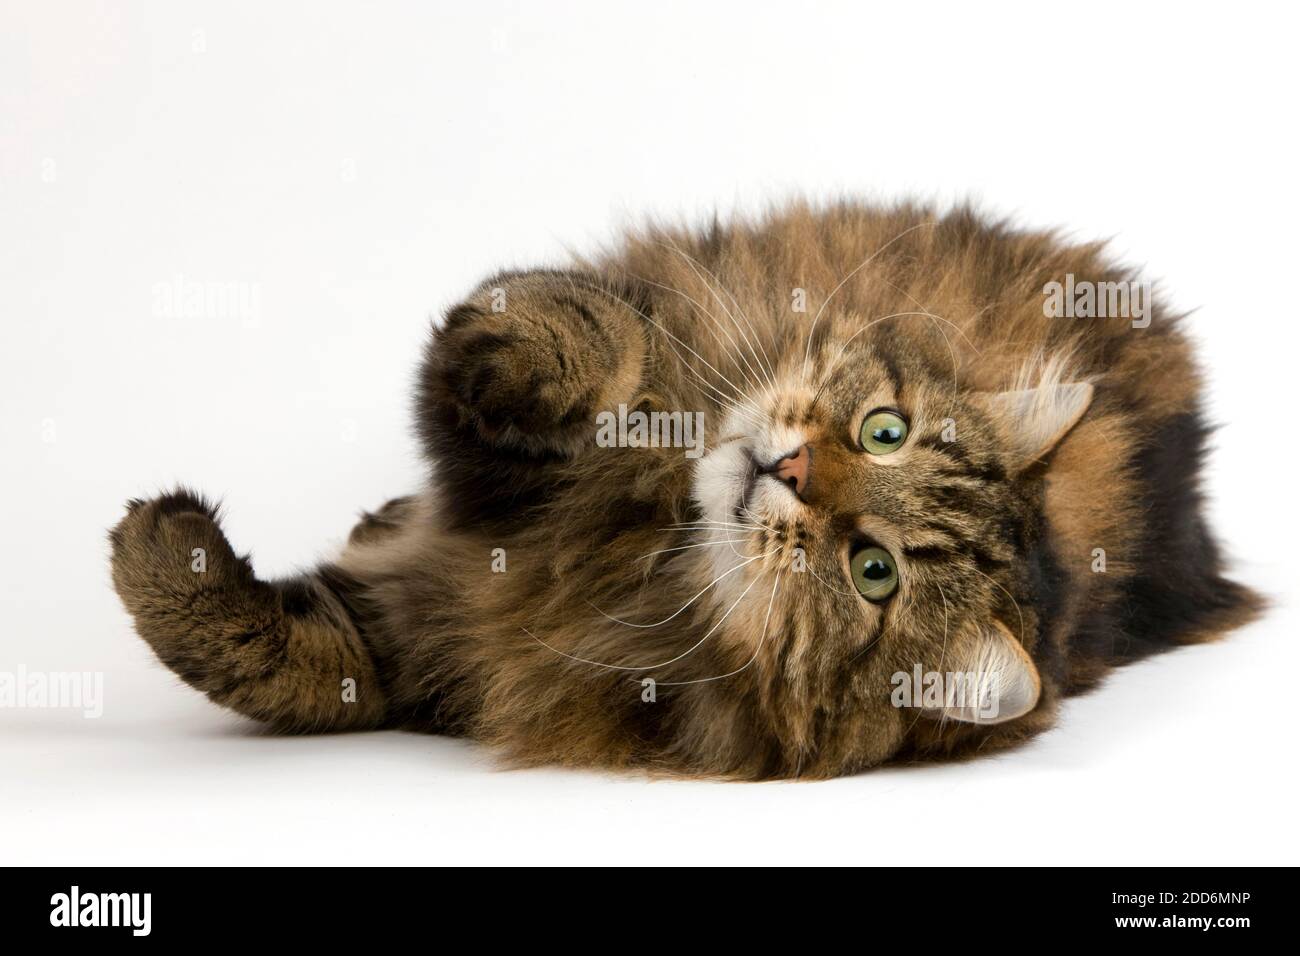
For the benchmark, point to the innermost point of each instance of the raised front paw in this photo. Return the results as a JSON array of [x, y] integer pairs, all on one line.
[[530, 360], [174, 569]]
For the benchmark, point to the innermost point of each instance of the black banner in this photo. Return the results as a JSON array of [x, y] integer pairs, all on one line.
[[213, 905]]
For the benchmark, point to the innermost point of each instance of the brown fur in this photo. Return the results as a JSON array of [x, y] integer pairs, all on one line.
[[540, 661]]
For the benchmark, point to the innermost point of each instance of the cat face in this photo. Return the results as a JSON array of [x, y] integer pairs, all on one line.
[[881, 515]]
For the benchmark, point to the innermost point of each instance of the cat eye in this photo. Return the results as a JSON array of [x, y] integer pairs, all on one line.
[[874, 573], [883, 431]]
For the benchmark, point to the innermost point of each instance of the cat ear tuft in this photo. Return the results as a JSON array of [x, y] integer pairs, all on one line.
[[1000, 681], [1036, 419]]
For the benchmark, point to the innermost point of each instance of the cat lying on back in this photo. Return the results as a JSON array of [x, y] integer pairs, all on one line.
[[921, 512]]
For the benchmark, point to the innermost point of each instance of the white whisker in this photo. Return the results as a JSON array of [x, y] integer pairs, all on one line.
[[943, 651], [693, 263], [754, 380], [701, 523], [703, 544], [754, 518], [645, 667], [739, 395], [691, 601], [831, 587], [1019, 613], [808, 348], [748, 411], [754, 657]]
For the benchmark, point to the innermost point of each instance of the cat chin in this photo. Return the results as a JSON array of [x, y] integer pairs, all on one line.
[[772, 503], [728, 490], [725, 484], [720, 480]]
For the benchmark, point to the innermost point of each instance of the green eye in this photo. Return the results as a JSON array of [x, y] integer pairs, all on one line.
[[874, 573], [883, 432]]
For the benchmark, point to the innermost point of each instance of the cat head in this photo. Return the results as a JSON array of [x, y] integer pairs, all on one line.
[[881, 513]]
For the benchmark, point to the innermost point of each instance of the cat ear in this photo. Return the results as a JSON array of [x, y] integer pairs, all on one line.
[[1036, 419], [999, 682]]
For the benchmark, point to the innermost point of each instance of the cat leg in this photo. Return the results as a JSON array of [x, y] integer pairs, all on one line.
[[529, 358], [378, 526], [286, 653], [514, 379]]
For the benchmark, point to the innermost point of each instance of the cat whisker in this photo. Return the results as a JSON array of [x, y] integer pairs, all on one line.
[[755, 379], [754, 518], [717, 283], [699, 523], [702, 544], [839, 356], [745, 408], [830, 587], [696, 266], [825, 302], [701, 593], [709, 521], [722, 620], [646, 667], [728, 440], [925, 311], [761, 641], [1019, 613], [720, 528], [930, 315], [880, 636], [943, 651], [738, 393]]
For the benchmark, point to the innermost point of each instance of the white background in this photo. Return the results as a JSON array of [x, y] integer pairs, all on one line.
[[362, 165]]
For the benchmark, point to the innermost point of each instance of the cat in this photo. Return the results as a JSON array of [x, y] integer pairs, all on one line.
[[911, 472]]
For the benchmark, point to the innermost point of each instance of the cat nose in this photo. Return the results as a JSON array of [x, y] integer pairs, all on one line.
[[795, 470]]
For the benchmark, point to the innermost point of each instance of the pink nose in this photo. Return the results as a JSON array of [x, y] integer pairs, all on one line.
[[794, 470]]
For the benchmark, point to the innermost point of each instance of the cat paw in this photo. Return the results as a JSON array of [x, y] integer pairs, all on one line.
[[194, 601], [530, 362], [169, 549], [513, 373]]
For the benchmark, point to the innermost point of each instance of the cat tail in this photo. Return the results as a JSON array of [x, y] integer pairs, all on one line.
[[287, 652]]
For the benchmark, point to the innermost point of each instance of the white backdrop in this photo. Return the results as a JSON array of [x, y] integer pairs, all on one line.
[[350, 169]]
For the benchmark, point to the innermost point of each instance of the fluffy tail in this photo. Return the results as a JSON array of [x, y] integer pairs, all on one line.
[[286, 652]]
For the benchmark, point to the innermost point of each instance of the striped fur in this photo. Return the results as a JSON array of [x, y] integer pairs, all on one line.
[[1033, 443]]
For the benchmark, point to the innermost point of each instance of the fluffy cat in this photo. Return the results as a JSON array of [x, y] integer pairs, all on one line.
[[908, 469]]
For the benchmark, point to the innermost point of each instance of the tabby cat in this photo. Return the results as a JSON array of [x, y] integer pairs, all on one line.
[[911, 472]]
